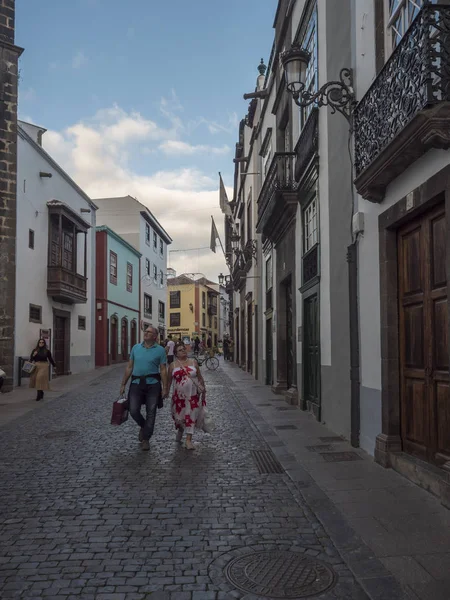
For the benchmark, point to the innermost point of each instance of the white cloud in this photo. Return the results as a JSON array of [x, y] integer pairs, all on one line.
[[27, 95], [177, 148], [95, 154], [79, 60]]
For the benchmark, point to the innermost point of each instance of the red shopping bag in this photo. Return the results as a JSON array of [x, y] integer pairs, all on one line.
[[119, 411]]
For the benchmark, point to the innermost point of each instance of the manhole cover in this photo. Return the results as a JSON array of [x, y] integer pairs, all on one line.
[[320, 448], [341, 456], [280, 574], [62, 434]]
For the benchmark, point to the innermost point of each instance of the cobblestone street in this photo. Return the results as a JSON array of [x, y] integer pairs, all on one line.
[[86, 514]]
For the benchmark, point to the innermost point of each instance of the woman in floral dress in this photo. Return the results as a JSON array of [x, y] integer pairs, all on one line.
[[188, 398]]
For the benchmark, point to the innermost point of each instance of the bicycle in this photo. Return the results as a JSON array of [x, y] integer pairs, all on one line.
[[211, 362]]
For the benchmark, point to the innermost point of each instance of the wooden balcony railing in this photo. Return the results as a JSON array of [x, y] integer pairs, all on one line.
[[278, 191], [65, 286]]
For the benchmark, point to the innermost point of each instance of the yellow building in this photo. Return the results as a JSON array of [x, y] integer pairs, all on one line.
[[193, 307]]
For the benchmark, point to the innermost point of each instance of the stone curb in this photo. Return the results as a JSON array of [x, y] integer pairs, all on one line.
[[374, 578]]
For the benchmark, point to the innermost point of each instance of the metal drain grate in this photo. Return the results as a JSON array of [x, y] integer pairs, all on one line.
[[266, 462], [320, 448], [341, 456], [286, 427], [332, 438]]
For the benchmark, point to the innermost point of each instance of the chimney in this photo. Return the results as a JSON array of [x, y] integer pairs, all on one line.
[[9, 59]]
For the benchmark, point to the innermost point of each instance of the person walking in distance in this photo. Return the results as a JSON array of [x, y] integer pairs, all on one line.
[[147, 368], [39, 380], [169, 350]]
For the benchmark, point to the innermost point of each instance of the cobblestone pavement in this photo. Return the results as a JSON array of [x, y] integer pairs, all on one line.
[[85, 514]]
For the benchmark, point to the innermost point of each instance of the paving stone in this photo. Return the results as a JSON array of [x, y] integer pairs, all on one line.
[[92, 516]]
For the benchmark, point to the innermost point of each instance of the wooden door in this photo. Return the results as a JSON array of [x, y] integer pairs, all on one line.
[[249, 338], [124, 339], [114, 344], [290, 350], [59, 345], [311, 354], [269, 352], [133, 334], [237, 341], [423, 337]]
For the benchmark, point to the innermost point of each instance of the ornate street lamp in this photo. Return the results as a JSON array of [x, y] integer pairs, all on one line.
[[221, 278], [338, 95]]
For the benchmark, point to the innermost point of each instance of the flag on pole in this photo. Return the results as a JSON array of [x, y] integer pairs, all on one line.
[[214, 235], [223, 199]]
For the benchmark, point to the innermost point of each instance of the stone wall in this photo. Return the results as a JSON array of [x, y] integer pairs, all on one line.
[[9, 56]]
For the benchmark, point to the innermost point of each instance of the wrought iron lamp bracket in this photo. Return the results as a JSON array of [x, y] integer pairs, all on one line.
[[338, 95], [252, 248]]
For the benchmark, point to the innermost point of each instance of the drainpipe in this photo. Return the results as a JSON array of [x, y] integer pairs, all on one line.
[[352, 259]]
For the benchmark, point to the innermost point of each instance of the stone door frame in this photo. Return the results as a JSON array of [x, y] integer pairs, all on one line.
[[430, 193]]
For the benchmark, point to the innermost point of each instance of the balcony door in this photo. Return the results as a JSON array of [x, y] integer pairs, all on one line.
[[423, 337]]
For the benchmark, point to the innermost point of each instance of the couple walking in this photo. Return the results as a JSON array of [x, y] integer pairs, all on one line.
[[151, 381]]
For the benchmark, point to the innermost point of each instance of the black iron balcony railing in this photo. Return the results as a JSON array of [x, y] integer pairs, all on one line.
[[415, 78], [280, 178]]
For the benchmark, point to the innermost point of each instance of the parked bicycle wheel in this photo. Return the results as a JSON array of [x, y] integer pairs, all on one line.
[[212, 363]]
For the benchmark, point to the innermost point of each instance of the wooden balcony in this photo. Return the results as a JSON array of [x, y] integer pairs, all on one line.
[[406, 111], [66, 286], [277, 202], [212, 309]]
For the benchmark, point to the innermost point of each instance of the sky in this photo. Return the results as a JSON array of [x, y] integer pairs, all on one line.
[[144, 98]]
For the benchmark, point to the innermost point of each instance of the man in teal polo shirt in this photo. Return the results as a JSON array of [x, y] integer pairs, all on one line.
[[148, 371]]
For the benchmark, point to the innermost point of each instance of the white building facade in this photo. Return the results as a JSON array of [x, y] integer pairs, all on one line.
[[352, 229], [133, 221], [55, 270]]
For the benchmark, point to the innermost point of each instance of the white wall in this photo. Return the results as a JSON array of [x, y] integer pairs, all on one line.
[[123, 216], [154, 289], [33, 193]]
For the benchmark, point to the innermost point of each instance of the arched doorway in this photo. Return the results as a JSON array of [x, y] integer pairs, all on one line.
[[133, 333], [114, 339], [124, 338]]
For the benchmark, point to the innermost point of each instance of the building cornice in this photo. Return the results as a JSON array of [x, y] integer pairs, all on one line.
[[151, 220], [118, 238], [21, 133]]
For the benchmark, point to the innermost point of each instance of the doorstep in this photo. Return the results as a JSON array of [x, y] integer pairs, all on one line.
[[429, 477]]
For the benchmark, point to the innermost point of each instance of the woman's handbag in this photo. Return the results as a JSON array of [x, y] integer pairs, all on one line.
[[120, 411], [28, 367]]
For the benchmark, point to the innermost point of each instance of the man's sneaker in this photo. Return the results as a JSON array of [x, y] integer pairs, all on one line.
[[145, 445], [141, 434]]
